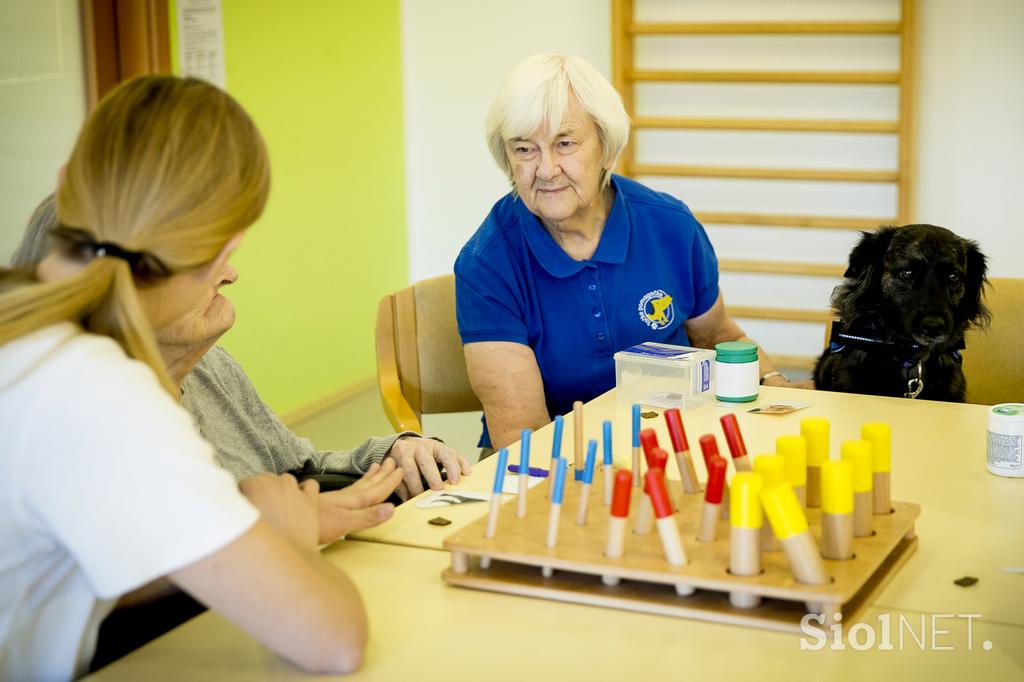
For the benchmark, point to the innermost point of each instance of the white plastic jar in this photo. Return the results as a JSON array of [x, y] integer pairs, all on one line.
[[1006, 440], [737, 376]]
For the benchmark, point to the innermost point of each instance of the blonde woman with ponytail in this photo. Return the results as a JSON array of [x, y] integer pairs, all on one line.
[[105, 487]]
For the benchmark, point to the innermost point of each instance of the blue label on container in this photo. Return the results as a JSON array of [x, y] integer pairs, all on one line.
[[705, 376], [657, 350]]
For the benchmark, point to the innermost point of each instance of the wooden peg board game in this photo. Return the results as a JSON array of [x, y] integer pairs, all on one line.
[[518, 554]]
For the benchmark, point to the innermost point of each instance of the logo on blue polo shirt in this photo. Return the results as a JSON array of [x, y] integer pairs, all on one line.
[[656, 309]]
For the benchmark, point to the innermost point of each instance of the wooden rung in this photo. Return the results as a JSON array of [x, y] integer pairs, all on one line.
[[825, 222], [804, 362], [786, 314], [781, 267], [762, 27], [848, 77], [769, 124], [765, 173]]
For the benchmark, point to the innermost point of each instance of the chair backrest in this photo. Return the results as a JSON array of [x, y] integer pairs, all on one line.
[[420, 365], [993, 362]]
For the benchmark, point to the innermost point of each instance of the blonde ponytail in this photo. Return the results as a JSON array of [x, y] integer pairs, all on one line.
[[119, 315], [166, 167]]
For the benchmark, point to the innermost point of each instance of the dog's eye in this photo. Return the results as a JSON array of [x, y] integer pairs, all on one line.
[[954, 278], [906, 274]]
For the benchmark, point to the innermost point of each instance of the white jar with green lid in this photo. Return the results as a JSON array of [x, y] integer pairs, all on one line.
[[1006, 440], [737, 377]]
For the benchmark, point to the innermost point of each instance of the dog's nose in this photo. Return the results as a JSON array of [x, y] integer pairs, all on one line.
[[933, 325]]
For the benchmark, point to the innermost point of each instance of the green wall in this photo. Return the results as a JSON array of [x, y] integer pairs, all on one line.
[[322, 80]]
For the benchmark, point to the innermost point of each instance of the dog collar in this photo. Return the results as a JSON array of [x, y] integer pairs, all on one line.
[[911, 354], [868, 340]]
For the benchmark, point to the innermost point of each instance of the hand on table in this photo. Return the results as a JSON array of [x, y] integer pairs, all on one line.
[[358, 506], [289, 508], [420, 457]]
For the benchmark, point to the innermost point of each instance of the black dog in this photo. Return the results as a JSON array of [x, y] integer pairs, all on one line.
[[910, 294]]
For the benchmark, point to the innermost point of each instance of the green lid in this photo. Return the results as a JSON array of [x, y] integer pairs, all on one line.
[[736, 351]]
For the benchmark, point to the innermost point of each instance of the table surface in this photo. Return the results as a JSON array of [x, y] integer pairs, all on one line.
[[421, 628], [971, 523]]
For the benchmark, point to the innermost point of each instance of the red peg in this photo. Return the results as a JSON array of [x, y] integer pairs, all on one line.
[[655, 480], [620, 496], [733, 436], [709, 447], [676, 432], [716, 480], [649, 441], [658, 459]]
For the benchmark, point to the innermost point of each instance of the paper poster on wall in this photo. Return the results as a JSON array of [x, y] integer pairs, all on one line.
[[201, 40]]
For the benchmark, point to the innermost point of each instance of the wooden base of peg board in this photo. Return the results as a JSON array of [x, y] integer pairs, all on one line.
[[647, 582]]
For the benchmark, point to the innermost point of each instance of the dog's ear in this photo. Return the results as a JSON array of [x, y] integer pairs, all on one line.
[[855, 296], [972, 308], [868, 254]]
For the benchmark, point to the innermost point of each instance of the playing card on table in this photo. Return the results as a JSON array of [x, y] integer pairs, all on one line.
[[779, 408], [448, 498]]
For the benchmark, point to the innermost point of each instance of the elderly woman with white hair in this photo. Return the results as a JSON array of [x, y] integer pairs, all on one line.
[[575, 263]]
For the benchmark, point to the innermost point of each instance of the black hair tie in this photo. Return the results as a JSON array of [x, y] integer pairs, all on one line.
[[101, 249], [144, 265]]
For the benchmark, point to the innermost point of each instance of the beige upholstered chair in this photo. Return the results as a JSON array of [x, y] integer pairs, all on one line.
[[994, 358], [420, 365]]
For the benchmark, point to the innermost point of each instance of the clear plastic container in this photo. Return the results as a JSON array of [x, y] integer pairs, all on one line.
[[663, 376]]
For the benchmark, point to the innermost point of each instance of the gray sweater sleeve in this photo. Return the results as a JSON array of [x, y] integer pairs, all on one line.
[[249, 438]]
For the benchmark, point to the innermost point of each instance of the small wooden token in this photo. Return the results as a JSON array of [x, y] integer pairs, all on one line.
[[439, 521]]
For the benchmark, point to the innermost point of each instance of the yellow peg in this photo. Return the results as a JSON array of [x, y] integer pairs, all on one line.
[[745, 500], [837, 507], [815, 430], [746, 533], [837, 487], [783, 510], [772, 469], [790, 524], [794, 452], [858, 454], [880, 437]]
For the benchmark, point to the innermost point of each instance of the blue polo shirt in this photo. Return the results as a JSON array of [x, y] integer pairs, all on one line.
[[653, 269]]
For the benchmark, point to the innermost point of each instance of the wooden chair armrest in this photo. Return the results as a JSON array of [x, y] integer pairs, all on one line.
[[398, 410]]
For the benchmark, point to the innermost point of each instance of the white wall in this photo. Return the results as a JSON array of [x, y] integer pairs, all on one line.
[[970, 126], [42, 105], [455, 54], [970, 148]]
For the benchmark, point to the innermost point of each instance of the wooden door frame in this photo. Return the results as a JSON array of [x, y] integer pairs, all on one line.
[[122, 39]]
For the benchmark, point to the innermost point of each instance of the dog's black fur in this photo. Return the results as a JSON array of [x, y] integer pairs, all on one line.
[[915, 285]]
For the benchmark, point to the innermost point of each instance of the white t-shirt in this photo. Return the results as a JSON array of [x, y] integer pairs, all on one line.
[[104, 486]]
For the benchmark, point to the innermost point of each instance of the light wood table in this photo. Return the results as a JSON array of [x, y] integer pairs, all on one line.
[[422, 629], [972, 523]]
